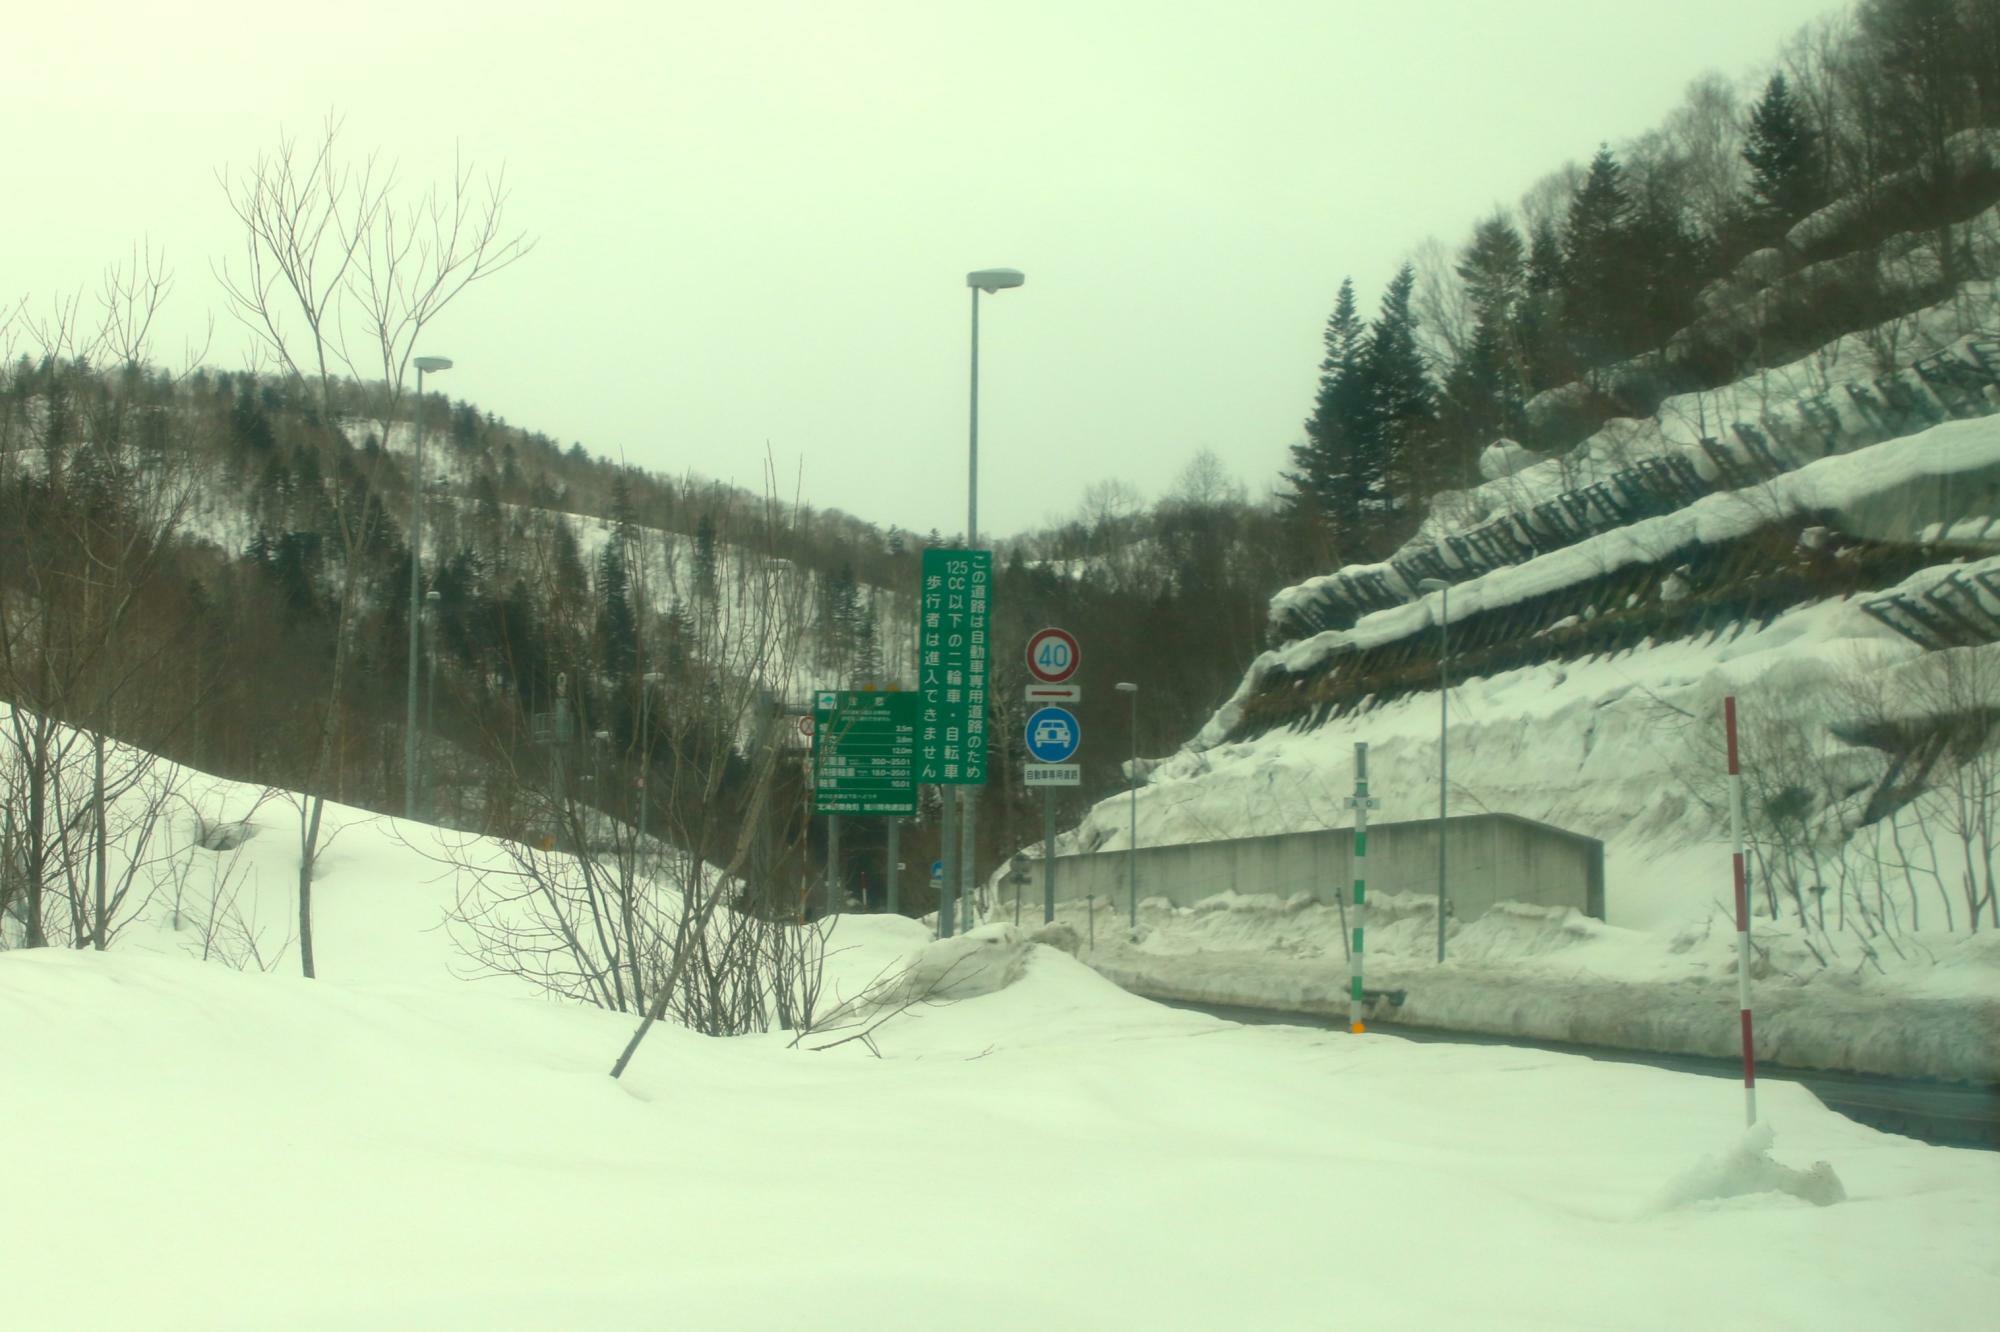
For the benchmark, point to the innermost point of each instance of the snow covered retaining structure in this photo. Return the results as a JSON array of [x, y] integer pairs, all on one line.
[[1491, 858], [1724, 561]]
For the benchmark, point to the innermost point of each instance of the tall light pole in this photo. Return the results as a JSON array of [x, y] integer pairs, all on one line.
[[1132, 776], [423, 364], [1443, 588], [650, 680], [431, 600], [959, 861]]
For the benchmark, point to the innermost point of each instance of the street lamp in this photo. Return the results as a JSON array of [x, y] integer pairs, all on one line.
[[959, 866], [431, 600], [1443, 588], [651, 680], [1132, 851], [599, 742], [423, 364]]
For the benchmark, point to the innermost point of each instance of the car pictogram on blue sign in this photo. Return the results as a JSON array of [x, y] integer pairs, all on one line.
[[1053, 735]]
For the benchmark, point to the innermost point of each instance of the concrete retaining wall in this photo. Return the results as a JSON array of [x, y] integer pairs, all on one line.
[[1490, 858]]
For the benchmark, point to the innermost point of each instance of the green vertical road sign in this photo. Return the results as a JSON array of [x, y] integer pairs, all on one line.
[[864, 752], [952, 641]]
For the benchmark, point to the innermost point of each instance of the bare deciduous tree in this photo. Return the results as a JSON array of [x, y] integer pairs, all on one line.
[[334, 259], [85, 533]]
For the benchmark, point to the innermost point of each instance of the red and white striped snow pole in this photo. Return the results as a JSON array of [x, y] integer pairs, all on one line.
[[1742, 914]]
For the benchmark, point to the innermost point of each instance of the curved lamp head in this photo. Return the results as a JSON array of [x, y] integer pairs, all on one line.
[[1433, 585], [430, 365], [990, 280], [1124, 688]]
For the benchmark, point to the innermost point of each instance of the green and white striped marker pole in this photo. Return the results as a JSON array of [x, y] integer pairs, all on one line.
[[1360, 802]]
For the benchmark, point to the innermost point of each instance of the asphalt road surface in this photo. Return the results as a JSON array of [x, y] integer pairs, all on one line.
[[1948, 1113]]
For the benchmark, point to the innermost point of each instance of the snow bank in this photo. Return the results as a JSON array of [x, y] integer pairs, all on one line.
[[368, 1156], [1555, 975]]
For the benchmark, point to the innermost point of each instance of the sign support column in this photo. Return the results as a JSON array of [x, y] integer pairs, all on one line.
[[1360, 802], [1742, 915], [1048, 855], [1053, 735], [894, 904], [833, 898]]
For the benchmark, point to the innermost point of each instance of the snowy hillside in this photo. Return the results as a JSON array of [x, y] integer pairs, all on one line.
[[1869, 957]]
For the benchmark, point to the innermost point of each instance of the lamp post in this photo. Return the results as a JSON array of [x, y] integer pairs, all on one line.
[[1132, 776], [423, 364], [1443, 589], [599, 742], [431, 600], [650, 680], [958, 861]]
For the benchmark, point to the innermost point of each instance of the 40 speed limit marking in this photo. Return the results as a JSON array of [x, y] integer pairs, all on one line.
[[1053, 655]]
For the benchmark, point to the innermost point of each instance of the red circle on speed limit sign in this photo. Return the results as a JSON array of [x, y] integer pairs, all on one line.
[[1053, 655]]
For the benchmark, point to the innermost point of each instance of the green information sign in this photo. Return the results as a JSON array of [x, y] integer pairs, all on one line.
[[952, 643], [864, 752]]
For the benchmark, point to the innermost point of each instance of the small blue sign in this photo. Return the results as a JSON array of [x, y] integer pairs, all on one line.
[[1053, 735], [937, 872]]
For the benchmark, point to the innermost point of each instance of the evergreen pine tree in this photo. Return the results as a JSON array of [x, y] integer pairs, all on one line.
[[867, 652], [617, 624], [1323, 486], [1784, 159], [1484, 391], [1538, 315], [1492, 268], [572, 583], [1595, 262], [624, 523], [1391, 466], [1666, 261], [838, 614], [705, 558]]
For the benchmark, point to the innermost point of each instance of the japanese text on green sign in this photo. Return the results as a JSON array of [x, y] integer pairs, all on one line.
[[953, 610], [864, 752]]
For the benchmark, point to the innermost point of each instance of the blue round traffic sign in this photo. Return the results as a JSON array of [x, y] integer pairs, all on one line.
[[1053, 735]]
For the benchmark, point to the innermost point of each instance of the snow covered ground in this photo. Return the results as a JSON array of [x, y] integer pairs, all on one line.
[[391, 1146]]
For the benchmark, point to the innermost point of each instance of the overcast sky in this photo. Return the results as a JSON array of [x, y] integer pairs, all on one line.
[[755, 219]]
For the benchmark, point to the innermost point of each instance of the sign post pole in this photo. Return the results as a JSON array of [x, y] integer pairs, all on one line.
[[1742, 914], [1048, 855], [1053, 737], [1360, 802], [948, 853], [833, 899], [895, 906]]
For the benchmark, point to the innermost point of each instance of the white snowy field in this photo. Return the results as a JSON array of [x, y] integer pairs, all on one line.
[[393, 1147], [198, 1148]]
